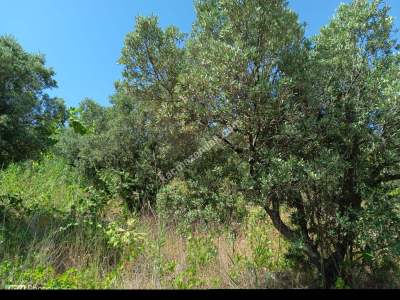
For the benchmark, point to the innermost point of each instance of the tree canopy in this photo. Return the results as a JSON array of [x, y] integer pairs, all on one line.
[[28, 116], [306, 128]]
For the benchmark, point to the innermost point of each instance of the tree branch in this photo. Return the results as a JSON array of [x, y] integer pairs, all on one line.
[[388, 178], [235, 148], [309, 248]]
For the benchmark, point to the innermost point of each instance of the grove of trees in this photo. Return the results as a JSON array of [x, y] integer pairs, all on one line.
[[315, 127]]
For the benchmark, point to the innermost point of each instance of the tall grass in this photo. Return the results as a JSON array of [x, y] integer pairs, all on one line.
[[58, 233], [55, 234]]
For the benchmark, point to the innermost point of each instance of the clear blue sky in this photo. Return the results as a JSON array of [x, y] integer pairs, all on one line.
[[82, 39]]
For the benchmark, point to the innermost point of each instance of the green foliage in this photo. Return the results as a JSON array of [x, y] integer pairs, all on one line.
[[48, 183], [127, 239], [134, 137], [16, 276], [258, 239], [187, 203], [340, 284], [306, 129], [201, 252], [28, 116], [263, 260], [152, 58], [75, 122], [314, 120]]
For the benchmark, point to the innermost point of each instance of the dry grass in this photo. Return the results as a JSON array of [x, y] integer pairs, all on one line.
[[219, 273], [247, 255]]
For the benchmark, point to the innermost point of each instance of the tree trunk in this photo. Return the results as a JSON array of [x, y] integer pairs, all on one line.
[[330, 274]]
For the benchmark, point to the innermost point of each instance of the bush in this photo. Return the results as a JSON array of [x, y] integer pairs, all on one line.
[[126, 237], [265, 258], [15, 275], [187, 203], [48, 183], [200, 253]]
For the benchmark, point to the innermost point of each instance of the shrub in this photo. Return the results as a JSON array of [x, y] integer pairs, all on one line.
[[200, 253], [265, 256], [48, 183], [188, 203], [126, 237]]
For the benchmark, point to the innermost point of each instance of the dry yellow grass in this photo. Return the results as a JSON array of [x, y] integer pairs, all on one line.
[[142, 273], [246, 255]]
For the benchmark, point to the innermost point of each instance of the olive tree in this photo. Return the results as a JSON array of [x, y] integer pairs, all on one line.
[[315, 121]]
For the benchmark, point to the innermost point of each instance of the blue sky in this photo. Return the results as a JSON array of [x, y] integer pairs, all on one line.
[[82, 39]]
